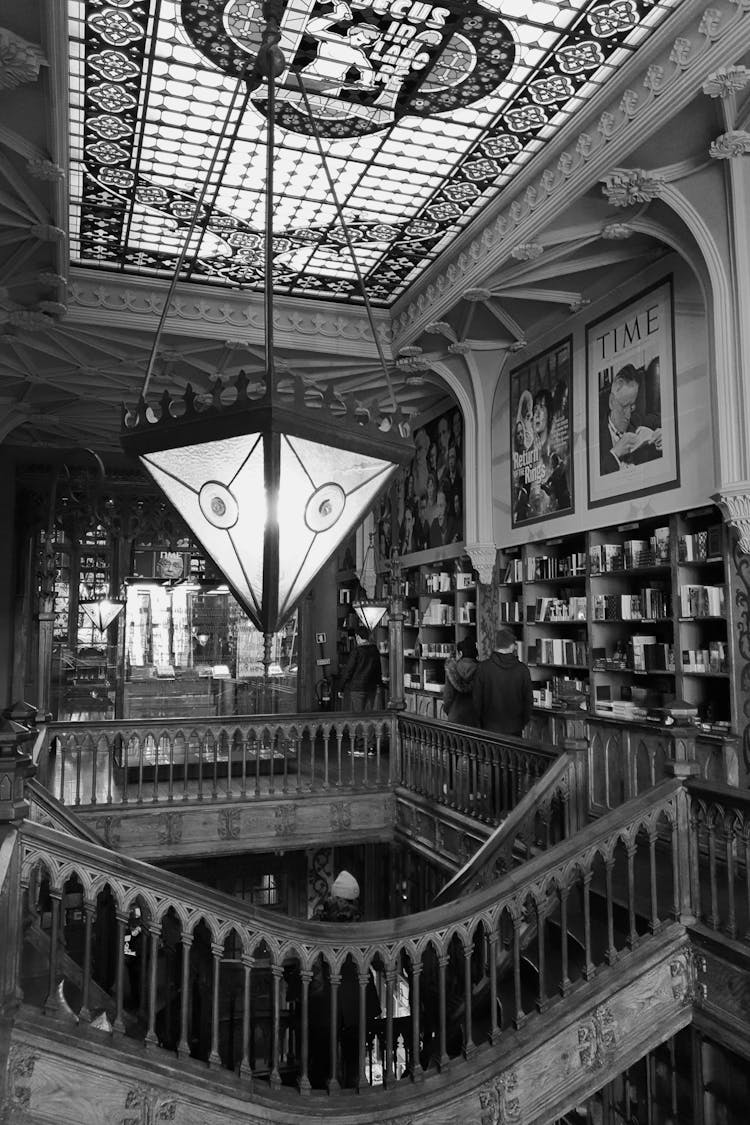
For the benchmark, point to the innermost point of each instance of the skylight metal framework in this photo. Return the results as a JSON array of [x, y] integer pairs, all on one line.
[[426, 110]]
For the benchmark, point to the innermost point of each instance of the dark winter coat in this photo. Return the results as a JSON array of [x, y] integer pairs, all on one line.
[[363, 670], [457, 699], [502, 694]]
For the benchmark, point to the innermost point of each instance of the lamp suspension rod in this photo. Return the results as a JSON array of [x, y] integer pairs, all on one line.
[[349, 243], [189, 235], [271, 36]]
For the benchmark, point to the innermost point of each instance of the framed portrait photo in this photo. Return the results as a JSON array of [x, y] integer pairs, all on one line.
[[541, 436], [631, 408]]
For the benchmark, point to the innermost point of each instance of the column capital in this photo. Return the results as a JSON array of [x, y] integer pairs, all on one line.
[[482, 557], [734, 504]]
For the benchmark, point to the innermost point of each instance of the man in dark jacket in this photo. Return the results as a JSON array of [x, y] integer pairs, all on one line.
[[502, 688], [362, 673]]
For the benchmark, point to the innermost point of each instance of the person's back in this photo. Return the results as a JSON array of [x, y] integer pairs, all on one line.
[[459, 681], [362, 675], [502, 691]]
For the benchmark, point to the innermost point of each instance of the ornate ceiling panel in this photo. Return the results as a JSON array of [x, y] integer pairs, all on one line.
[[401, 117]]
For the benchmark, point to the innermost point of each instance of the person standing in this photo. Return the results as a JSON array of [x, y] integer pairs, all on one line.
[[501, 690], [459, 680], [362, 673]]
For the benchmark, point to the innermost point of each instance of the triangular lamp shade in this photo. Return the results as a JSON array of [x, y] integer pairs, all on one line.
[[269, 488], [101, 612], [370, 613], [218, 488]]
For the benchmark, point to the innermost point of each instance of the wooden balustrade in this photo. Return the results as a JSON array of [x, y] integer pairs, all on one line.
[[544, 816], [155, 760], [302, 1005], [477, 773], [719, 858]]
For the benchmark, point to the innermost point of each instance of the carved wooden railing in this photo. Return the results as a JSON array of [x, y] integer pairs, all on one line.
[[626, 758], [300, 991], [545, 815], [122, 761], [472, 771], [720, 858]]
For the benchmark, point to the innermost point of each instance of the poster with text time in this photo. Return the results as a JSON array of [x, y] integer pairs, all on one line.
[[631, 424]]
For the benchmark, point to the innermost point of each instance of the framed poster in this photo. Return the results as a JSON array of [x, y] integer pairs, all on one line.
[[631, 416], [541, 436], [425, 506]]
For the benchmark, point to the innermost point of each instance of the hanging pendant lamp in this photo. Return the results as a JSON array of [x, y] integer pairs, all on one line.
[[269, 479], [370, 611], [101, 612]]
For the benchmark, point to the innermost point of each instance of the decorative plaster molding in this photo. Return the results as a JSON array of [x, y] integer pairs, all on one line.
[[527, 251], [19, 60], [617, 231], [734, 504], [442, 328], [685, 59], [625, 186], [728, 80], [478, 294], [578, 304], [461, 347], [52, 308], [734, 143], [483, 556], [139, 304], [42, 169], [28, 320]]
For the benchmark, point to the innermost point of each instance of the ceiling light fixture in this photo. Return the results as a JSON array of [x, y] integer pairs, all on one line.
[[370, 611], [101, 612], [269, 479]]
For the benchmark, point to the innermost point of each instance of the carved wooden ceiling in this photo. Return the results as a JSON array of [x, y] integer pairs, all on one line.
[[428, 118]]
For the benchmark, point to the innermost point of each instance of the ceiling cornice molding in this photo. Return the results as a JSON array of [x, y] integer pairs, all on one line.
[[671, 70], [137, 303]]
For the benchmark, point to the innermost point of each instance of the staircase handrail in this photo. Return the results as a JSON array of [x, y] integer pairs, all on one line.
[[496, 852], [151, 882]]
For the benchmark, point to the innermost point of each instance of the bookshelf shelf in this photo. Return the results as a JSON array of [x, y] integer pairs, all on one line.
[[439, 606], [636, 588]]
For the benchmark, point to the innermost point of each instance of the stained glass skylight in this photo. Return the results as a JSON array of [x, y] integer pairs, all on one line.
[[424, 110]]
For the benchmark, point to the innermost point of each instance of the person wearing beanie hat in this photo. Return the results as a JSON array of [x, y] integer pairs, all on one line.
[[502, 690], [459, 680], [345, 886]]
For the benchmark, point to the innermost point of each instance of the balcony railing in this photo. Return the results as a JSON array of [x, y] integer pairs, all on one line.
[[293, 1005]]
